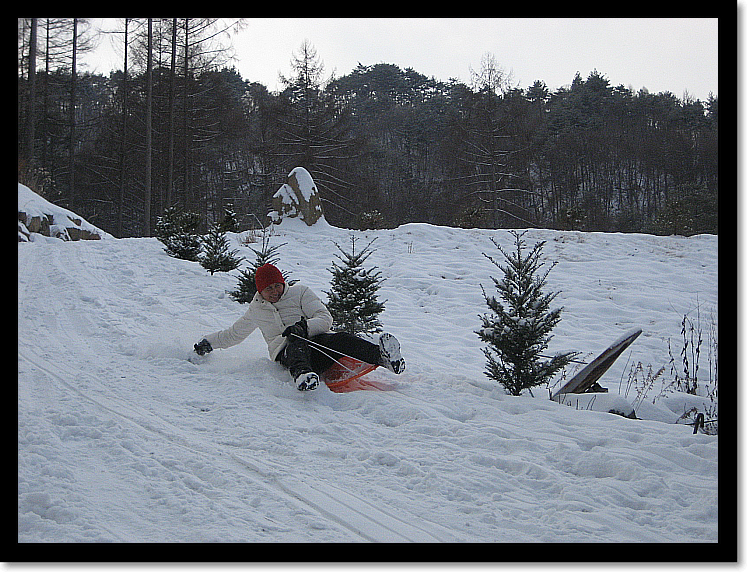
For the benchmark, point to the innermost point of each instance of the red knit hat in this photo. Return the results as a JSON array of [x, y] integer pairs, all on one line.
[[267, 275]]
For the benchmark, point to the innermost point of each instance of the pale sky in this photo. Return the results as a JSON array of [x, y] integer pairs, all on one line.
[[661, 54]]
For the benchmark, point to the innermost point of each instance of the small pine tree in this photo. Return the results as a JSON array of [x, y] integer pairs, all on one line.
[[519, 332], [229, 222], [177, 230], [353, 296], [246, 289], [217, 256]]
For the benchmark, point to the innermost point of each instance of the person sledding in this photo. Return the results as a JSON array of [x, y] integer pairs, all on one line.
[[296, 327]]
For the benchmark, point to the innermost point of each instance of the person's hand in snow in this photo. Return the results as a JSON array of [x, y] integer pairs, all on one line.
[[203, 347]]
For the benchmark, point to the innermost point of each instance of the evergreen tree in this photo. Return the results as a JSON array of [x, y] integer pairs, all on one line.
[[177, 230], [353, 296], [517, 331], [217, 256], [229, 222], [246, 289]]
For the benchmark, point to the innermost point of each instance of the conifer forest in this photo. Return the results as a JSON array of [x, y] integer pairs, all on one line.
[[177, 126]]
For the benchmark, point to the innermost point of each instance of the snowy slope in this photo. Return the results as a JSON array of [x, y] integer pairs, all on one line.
[[120, 438]]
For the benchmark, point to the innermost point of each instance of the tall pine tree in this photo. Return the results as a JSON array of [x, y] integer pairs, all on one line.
[[352, 298], [518, 328]]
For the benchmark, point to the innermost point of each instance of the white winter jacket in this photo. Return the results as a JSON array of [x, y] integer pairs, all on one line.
[[272, 319]]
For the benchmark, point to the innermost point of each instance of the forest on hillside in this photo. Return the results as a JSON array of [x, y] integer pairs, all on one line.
[[178, 126]]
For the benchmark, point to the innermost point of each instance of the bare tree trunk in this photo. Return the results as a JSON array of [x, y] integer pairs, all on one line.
[[186, 123], [172, 98], [72, 115], [121, 198], [30, 118], [148, 138], [45, 96]]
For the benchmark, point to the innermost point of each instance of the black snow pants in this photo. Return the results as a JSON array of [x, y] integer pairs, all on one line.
[[299, 356]]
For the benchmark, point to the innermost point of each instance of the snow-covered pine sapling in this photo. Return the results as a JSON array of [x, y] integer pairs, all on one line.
[[352, 299], [217, 255], [518, 328], [229, 222], [177, 230]]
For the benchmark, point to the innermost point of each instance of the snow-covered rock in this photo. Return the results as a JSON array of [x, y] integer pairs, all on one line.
[[37, 216], [298, 197]]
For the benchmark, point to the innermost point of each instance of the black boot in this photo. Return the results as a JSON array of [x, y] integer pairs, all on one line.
[[295, 357]]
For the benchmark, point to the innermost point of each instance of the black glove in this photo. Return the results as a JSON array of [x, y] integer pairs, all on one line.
[[299, 329], [203, 347]]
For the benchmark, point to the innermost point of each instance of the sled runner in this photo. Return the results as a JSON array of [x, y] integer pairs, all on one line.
[[349, 375], [587, 376]]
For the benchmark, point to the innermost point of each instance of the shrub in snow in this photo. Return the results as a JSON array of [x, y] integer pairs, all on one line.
[[352, 298], [518, 328], [689, 377], [371, 220], [217, 256], [177, 230], [229, 222]]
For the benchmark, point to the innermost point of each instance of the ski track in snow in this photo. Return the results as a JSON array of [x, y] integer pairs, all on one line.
[[120, 438]]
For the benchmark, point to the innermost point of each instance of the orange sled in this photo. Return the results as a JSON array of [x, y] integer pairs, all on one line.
[[348, 376]]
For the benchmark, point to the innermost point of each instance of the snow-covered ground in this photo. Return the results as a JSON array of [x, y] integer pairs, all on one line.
[[121, 438]]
